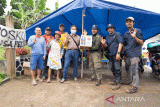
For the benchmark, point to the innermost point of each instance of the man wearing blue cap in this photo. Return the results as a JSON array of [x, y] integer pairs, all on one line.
[[114, 42], [95, 55]]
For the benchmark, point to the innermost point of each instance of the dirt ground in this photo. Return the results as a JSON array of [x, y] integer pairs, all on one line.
[[19, 92]]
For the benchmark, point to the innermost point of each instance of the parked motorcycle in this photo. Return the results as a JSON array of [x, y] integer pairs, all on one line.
[[154, 56]]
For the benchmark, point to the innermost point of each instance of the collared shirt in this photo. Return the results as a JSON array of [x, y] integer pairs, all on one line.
[[46, 40], [133, 49], [71, 44], [114, 46], [38, 48]]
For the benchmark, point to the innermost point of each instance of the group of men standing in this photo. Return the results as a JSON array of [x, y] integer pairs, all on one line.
[[133, 41]]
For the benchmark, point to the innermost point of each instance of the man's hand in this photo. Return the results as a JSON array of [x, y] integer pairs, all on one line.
[[118, 57], [133, 33], [86, 48], [67, 35], [103, 41], [85, 32], [61, 56], [44, 57], [35, 40], [49, 40]]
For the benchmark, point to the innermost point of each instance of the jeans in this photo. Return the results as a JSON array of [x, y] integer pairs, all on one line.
[[132, 70], [71, 54], [116, 68]]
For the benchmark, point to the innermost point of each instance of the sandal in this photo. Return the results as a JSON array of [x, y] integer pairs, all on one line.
[[34, 83], [49, 80], [40, 80]]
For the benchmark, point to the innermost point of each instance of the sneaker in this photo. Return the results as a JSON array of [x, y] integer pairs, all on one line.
[[126, 83], [63, 80], [116, 87], [34, 83], [92, 79], [75, 79], [132, 90], [98, 83], [111, 83]]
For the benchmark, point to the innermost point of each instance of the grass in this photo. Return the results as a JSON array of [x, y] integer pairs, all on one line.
[[1, 53], [3, 76]]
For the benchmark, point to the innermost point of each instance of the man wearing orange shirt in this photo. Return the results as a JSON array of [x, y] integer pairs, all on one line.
[[47, 37]]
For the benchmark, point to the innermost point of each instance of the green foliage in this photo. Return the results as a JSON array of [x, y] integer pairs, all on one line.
[[27, 12], [3, 4], [56, 5], [3, 76]]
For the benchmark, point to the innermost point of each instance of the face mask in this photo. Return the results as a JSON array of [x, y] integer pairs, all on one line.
[[73, 31]]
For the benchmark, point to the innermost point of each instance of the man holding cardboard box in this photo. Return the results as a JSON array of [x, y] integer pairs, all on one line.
[[95, 55]]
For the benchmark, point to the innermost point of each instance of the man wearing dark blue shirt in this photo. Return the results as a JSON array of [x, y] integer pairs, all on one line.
[[133, 41], [114, 41]]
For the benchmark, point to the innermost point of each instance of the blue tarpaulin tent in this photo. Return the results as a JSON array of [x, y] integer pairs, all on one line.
[[99, 12]]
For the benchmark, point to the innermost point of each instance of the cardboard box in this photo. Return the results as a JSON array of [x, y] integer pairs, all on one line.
[[26, 67], [86, 41]]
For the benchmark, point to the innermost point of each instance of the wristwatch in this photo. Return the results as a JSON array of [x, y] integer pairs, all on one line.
[[118, 52]]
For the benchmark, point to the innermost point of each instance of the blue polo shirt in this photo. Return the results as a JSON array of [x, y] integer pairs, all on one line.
[[114, 46], [133, 49]]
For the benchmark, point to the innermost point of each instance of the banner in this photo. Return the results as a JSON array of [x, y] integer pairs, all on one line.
[[12, 38], [86, 41]]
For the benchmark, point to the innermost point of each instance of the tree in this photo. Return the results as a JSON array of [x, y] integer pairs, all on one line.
[[56, 5], [3, 4], [27, 12]]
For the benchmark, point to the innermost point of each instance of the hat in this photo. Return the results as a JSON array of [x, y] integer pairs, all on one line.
[[48, 28], [130, 18], [95, 27], [61, 25], [57, 32], [110, 26]]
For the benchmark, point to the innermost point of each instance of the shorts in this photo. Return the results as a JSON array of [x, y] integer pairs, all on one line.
[[36, 60]]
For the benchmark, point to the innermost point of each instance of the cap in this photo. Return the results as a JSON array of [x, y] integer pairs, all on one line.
[[48, 28], [57, 32], [110, 26], [130, 18], [61, 25], [95, 27]]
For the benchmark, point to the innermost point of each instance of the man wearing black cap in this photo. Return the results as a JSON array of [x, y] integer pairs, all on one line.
[[133, 41], [47, 37], [63, 34], [95, 55], [114, 42]]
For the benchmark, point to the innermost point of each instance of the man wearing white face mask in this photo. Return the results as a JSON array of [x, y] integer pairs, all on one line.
[[72, 42]]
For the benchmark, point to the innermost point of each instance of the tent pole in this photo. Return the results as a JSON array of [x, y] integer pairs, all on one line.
[[82, 49]]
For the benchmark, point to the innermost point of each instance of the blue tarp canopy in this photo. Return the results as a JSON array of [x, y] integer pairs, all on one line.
[[99, 12]]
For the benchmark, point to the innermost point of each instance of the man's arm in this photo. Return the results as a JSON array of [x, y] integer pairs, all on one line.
[[44, 49], [30, 42], [139, 34], [139, 41]]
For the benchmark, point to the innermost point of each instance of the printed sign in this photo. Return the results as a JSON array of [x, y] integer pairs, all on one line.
[[12, 38], [86, 40]]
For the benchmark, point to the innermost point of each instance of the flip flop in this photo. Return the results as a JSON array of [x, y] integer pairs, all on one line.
[[40, 80], [34, 83]]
